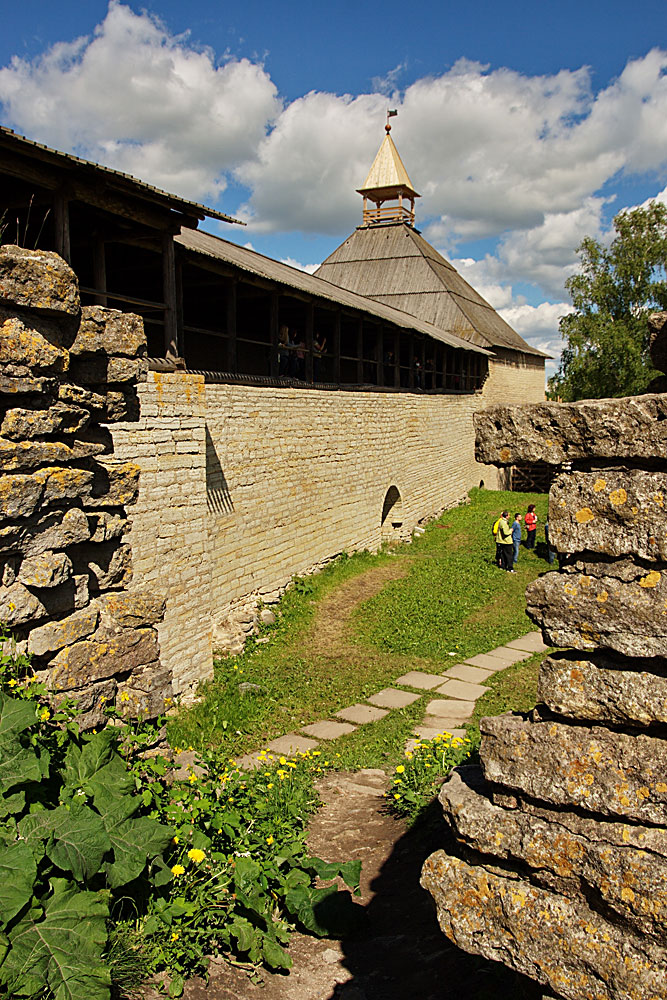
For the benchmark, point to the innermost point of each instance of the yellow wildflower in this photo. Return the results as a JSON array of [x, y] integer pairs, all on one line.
[[196, 855], [400, 769], [192, 778], [283, 760], [396, 795], [269, 840], [45, 714], [103, 698], [124, 696], [174, 935], [175, 840], [177, 870], [13, 682], [270, 785]]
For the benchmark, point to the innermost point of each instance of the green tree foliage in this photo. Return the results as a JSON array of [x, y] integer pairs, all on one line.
[[606, 352]]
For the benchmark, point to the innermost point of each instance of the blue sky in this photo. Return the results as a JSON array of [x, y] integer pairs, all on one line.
[[525, 126]]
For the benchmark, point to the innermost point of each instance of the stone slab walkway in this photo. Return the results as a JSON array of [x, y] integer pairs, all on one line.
[[456, 691]]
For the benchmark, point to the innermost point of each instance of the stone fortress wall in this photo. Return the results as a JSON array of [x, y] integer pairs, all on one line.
[[562, 869], [243, 487], [65, 561]]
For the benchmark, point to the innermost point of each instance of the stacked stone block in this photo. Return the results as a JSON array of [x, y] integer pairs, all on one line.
[[65, 559], [561, 865]]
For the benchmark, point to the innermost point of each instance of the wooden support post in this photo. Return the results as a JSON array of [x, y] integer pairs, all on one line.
[[169, 293], [310, 323], [411, 369], [180, 334], [99, 270], [397, 359], [360, 351], [336, 349], [61, 226], [232, 359], [422, 358], [274, 328], [379, 354]]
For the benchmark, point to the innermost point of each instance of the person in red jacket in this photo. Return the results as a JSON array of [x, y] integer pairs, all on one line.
[[531, 526]]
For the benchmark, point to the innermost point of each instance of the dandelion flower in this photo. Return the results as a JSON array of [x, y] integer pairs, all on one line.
[[283, 760], [196, 855], [270, 785], [175, 840], [396, 796], [177, 870], [400, 769]]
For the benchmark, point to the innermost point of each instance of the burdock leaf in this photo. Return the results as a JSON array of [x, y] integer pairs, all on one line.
[[60, 947], [17, 878]]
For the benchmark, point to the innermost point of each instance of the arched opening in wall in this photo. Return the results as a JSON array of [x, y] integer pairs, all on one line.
[[392, 515]]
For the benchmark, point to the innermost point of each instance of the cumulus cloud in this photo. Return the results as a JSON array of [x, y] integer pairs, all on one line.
[[291, 262], [139, 99], [538, 325]]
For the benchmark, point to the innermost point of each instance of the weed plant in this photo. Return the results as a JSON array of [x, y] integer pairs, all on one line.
[[417, 778], [111, 872]]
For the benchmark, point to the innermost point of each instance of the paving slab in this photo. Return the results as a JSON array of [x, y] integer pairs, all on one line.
[[509, 656], [462, 672], [429, 732], [292, 743], [487, 662], [361, 713], [250, 761], [420, 679], [531, 642], [449, 708], [328, 730], [462, 689], [391, 698]]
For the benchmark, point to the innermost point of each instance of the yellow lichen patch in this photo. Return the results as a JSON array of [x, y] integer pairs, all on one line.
[[618, 497], [651, 579], [635, 510], [602, 597], [583, 515], [570, 588], [585, 582], [643, 793], [548, 442], [659, 499], [627, 895], [599, 485], [661, 787], [562, 503], [589, 779], [504, 454]]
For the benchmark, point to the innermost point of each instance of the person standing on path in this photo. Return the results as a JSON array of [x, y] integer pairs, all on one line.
[[531, 526], [516, 538], [504, 540]]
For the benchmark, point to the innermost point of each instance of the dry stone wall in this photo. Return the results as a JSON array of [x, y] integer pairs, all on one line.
[[65, 557], [561, 871]]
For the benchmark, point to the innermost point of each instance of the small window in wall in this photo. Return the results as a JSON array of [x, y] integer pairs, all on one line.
[[392, 515]]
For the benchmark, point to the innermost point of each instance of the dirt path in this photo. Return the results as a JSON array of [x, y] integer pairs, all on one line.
[[401, 953], [328, 635]]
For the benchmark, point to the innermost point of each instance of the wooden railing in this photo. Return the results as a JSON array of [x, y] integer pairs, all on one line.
[[392, 212]]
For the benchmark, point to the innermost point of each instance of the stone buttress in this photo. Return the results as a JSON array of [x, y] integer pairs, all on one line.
[[561, 871], [65, 558]]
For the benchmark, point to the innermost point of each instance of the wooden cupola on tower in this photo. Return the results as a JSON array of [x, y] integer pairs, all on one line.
[[388, 181]]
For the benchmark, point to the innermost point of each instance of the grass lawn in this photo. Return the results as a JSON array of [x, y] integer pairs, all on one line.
[[345, 633]]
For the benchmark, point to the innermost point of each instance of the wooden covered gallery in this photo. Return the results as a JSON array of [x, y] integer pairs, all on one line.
[[208, 304]]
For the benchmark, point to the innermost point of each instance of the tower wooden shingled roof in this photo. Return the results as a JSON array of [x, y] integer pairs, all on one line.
[[388, 260]]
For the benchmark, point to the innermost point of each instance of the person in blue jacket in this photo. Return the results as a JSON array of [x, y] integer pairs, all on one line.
[[516, 537]]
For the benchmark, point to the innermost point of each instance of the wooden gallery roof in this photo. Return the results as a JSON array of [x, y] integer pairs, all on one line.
[[239, 258], [395, 265]]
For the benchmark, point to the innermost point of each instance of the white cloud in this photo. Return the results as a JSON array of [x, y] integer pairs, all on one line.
[[538, 325], [291, 262], [144, 101]]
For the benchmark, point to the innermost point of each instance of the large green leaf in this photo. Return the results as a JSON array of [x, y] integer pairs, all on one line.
[[17, 878], [16, 715], [325, 912], [17, 766], [60, 947], [349, 871], [82, 763], [12, 805], [112, 783], [134, 842], [76, 839]]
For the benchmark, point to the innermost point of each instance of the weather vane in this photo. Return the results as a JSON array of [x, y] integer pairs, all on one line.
[[390, 114]]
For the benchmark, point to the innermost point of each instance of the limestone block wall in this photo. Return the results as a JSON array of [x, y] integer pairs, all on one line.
[[65, 553], [514, 378], [170, 519], [562, 867], [243, 487]]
